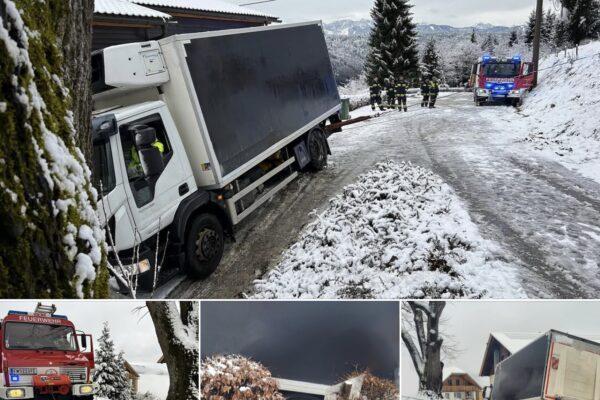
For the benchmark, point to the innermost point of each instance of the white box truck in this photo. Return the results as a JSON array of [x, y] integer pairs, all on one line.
[[193, 132], [553, 367]]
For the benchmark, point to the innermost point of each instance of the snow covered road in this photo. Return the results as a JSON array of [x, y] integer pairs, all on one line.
[[544, 218]]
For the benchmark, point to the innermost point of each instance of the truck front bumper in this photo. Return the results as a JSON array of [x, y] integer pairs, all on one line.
[[16, 392], [491, 95], [85, 389]]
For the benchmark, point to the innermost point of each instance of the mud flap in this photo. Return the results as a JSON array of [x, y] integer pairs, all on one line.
[[302, 154]]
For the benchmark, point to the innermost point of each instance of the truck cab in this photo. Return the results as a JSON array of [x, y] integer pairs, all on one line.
[[501, 80], [42, 356], [194, 132]]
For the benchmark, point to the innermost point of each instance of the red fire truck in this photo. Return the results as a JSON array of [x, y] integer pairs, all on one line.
[[43, 357], [501, 80]]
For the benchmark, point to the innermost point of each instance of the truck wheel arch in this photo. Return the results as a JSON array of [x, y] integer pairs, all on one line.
[[195, 204]]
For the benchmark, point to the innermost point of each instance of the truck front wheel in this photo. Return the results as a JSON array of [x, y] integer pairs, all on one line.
[[204, 246], [317, 147]]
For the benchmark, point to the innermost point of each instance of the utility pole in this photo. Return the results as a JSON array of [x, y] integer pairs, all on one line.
[[539, 13]]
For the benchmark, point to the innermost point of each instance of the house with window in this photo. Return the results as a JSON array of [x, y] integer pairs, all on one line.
[[127, 21], [459, 385]]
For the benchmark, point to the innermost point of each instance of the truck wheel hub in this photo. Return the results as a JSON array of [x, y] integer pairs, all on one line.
[[315, 148], [207, 244]]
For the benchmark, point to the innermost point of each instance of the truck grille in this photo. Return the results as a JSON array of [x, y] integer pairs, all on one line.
[[77, 374], [23, 376]]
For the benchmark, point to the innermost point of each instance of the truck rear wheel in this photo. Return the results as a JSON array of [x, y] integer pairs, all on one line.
[[204, 246], [317, 148]]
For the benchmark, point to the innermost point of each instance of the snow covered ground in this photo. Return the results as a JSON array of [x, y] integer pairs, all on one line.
[[398, 232], [560, 118]]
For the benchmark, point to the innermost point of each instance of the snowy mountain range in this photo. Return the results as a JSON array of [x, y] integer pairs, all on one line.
[[347, 27]]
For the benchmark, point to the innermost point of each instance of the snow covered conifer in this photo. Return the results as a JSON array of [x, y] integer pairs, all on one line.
[[430, 63], [473, 37], [584, 19], [110, 373], [530, 28], [513, 39], [489, 44], [52, 244], [393, 42]]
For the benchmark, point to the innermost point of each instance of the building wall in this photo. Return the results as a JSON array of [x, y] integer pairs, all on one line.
[[105, 36], [461, 387]]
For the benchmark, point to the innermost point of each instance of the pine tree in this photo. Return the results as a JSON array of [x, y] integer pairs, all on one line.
[[530, 29], [584, 19], [561, 35], [393, 42], [548, 27], [473, 37], [513, 39], [430, 63], [110, 373], [489, 44]]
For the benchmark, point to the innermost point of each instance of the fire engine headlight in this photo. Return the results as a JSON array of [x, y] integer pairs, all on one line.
[[15, 393], [85, 389]]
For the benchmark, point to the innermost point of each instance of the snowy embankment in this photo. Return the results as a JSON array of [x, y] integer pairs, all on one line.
[[561, 116], [399, 232]]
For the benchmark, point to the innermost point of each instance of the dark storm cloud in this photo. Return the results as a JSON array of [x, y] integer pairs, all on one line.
[[309, 341]]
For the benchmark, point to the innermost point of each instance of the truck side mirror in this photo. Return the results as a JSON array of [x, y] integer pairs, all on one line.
[[84, 341], [150, 156]]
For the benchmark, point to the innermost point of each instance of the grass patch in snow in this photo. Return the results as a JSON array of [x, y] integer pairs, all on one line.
[[398, 232]]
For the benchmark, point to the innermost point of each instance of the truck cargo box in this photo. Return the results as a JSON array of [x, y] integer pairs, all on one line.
[[257, 90], [554, 366]]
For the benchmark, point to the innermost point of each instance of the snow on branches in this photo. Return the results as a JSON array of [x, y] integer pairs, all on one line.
[[235, 377]]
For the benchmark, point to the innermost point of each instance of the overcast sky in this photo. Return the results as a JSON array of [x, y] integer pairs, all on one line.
[[470, 324], [318, 342], [132, 330], [457, 13]]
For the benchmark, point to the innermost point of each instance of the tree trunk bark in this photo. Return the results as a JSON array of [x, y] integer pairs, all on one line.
[[51, 245], [76, 44], [177, 333]]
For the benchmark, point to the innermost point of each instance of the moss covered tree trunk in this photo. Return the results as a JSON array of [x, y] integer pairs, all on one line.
[[177, 333], [51, 243]]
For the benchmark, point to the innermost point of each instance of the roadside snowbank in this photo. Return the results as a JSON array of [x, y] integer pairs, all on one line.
[[398, 232], [560, 117]]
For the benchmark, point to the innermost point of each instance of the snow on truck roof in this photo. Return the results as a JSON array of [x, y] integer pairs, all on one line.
[[126, 8], [217, 6]]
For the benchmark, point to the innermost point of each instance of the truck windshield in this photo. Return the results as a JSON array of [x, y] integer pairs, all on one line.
[[26, 336], [104, 171], [503, 70]]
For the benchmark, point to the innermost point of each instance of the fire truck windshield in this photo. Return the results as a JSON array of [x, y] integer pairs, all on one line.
[[26, 336], [501, 70]]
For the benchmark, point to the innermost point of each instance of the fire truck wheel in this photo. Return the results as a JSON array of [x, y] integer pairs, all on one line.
[[317, 148], [204, 246]]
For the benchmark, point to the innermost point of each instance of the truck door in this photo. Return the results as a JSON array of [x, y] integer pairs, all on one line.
[[153, 206], [572, 374]]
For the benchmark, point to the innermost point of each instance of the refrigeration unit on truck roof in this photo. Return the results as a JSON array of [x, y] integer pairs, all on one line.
[[219, 122], [41, 357], [555, 366]]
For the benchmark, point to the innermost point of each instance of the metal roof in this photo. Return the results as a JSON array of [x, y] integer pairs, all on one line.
[[126, 8], [217, 6]]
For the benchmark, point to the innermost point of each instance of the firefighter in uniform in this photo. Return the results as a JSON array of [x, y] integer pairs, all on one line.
[[434, 90], [390, 90], [401, 92], [375, 91], [425, 93]]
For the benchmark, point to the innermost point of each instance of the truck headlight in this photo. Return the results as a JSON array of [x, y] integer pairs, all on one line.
[[15, 393], [143, 266], [86, 389]]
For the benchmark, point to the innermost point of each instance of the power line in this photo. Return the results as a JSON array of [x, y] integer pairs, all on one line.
[[256, 2]]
